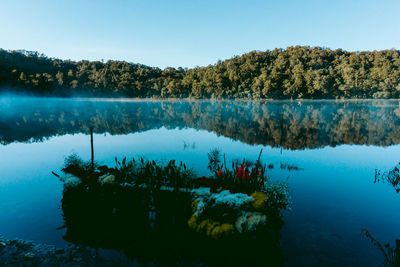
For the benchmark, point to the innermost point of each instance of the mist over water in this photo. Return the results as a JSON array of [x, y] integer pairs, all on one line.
[[287, 124], [336, 144]]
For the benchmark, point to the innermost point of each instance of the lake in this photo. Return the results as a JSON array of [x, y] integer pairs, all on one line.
[[335, 147]]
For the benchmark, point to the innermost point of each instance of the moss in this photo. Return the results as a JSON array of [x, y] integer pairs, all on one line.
[[260, 199]]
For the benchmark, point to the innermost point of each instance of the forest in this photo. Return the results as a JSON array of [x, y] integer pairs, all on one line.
[[299, 72]]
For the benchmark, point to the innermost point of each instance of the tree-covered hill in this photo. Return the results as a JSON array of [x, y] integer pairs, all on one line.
[[295, 72]]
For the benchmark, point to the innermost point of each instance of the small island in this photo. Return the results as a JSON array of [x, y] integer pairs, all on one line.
[[163, 212]]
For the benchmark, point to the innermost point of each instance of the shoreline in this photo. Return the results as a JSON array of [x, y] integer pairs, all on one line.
[[18, 252], [171, 99]]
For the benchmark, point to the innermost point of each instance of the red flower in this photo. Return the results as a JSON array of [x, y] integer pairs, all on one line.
[[220, 172], [239, 172], [243, 173]]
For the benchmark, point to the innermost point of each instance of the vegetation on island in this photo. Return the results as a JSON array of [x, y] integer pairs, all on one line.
[[244, 177], [294, 72]]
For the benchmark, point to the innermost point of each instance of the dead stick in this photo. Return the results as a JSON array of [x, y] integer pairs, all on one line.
[[61, 227], [91, 144], [259, 156]]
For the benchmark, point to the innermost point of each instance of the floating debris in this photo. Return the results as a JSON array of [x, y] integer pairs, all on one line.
[[289, 167]]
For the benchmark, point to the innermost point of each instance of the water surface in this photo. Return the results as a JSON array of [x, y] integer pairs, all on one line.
[[337, 144]]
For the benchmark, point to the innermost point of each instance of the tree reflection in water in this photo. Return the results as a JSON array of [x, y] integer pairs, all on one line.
[[285, 124]]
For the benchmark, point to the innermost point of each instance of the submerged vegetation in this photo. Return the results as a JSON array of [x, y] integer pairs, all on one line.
[[289, 167], [391, 254], [295, 72], [392, 177]]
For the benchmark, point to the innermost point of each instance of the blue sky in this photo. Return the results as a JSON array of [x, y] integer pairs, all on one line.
[[189, 33]]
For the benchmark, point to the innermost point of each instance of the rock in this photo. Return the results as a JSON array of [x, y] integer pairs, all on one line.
[[22, 253]]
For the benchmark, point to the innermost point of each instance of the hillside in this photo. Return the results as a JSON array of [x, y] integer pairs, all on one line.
[[295, 72]]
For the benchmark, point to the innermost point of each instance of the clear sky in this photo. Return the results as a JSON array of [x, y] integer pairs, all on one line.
[[193, 32]]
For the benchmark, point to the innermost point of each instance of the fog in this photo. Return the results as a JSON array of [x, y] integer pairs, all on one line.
[[287, 124]]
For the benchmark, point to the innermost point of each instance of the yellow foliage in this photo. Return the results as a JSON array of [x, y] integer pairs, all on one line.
[[192, 223], [259, 200], [194, 205], [202, 227], [222, 231], [211, 228], [214, 229]]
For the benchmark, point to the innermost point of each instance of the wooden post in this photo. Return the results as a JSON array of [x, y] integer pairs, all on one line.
[[259, 156], [91, 146]]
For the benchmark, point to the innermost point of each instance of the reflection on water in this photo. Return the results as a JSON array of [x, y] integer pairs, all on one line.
[[333, 195], [391, 254], [391, 176], [103, 219], [290, 125]]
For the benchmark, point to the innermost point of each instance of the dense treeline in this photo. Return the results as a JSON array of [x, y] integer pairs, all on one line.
[[295, 72], [285, 124]]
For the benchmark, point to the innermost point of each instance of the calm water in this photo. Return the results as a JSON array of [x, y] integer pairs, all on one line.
[[337, 145]]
